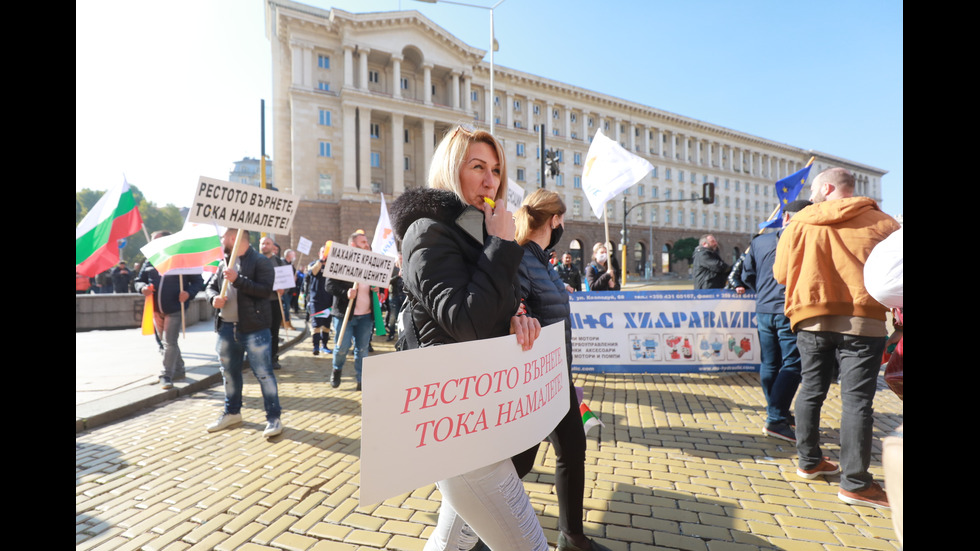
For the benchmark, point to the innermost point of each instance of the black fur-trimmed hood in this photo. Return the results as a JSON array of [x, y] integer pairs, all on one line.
[[414, 204]]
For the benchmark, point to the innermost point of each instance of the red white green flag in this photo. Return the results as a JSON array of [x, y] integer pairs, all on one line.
[[589, 419], [188, 250], [114, 217]]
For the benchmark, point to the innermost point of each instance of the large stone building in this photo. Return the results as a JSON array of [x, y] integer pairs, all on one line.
[[361, 100]]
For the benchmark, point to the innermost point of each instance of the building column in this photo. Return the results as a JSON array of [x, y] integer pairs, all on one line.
[[427, 84], [364, 144], [302, 67], [467, 92], [363, 63], [428, 146], [658, 141], [454, 95], [396, 76], [685, 148], [348, 67], [529, 114], [349, 152], [509, 111], [398, 153]]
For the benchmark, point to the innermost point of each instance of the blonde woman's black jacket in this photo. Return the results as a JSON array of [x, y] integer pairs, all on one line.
[[460, 284]]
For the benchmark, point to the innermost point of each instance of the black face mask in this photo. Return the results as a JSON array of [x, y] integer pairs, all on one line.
[[555, 236]]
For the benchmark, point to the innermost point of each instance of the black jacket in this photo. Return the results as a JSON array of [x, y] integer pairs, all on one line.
[[544, 292], [253, 285], [166, 298], [570, 275], [461, 284], [710, 271], [599, 278]]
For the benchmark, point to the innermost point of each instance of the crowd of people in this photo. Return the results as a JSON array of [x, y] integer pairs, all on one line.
[[470, 269]]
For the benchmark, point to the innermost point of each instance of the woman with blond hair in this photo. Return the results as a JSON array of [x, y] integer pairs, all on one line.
[[460, 264], [540, 224], [601, 273]]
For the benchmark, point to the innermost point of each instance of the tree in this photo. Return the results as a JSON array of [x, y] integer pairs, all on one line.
[[683, 249]]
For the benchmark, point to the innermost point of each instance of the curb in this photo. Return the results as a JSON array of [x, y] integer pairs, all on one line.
[[115, 407]]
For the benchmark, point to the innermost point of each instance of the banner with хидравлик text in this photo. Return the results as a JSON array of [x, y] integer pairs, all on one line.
[[689, 331]]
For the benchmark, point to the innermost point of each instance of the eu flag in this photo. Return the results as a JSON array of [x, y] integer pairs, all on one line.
[[786, 191]]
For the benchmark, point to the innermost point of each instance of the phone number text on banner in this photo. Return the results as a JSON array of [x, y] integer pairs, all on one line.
[[690, 331]]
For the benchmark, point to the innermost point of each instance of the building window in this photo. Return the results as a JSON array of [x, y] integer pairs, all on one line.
[[520, 149], [325, 149], [555, 114], [323, 61], [408, 163], [375, 130], [323, 86], [577, 182], [653, 174], [404, 83], [517, 105], [326, 184], [667, 193], [572, 117], [325, 117], [560, 180], [375, 159], [577, 207], [694, 218], [680, 176], [667, 173], [536, 109], [639, 190], [577, 158], [474, 96], [591, 122], [653, 192], [517, 124], [520, 175], [374, 76], [406, 135]]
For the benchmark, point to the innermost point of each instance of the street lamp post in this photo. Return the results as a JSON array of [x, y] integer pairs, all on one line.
[[493, 46]]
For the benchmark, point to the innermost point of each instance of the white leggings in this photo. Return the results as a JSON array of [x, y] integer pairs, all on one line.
[[493, 502]]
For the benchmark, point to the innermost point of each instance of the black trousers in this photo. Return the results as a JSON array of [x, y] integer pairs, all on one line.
[[568, 440]]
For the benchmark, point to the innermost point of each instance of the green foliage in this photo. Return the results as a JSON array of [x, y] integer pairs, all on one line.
[[683, 249], [154, 219]]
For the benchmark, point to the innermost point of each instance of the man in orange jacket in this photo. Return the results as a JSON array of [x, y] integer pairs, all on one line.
[[820, 259]]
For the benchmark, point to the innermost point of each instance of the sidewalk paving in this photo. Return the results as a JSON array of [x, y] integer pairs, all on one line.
[[681, 464]]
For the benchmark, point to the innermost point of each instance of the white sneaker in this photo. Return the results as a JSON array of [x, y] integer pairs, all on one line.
[[226, 420], [272, 428]]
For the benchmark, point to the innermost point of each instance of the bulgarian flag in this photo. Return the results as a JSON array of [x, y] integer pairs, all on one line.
[[187, 251], [589, 419], [114, 217]]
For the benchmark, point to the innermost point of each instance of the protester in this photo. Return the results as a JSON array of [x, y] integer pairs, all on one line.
[[169, 293], [396, 298], [540, 224], [120, 276], [82, 283], [242, 323], [820, 258], [268, 248], [601, 274], [569, 274], [318, 304], [103, 282], [708, 267], [359, 324], [288, 295], [460, 274], [779, 371]]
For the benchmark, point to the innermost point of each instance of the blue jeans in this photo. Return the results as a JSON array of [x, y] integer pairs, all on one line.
[[860, 362], [780, 365], [232, 347], [359, 330]]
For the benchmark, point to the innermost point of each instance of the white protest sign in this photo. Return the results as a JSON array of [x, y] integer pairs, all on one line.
[[242, 206], [304, 245], [437, 412], [515, 196], [358, 265], [284, 278]]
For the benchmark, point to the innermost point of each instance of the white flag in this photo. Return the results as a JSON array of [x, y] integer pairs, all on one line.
[[384, 236], [609, 169]]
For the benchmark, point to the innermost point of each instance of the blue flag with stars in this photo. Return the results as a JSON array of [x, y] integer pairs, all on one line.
[[786, 191]]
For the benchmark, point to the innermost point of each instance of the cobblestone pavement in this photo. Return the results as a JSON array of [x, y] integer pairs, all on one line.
[[680, 464]]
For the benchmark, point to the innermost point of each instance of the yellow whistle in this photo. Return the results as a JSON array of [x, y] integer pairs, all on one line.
[[490, 202]]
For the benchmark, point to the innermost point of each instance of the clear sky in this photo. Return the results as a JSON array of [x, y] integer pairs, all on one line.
[[166, 92]]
